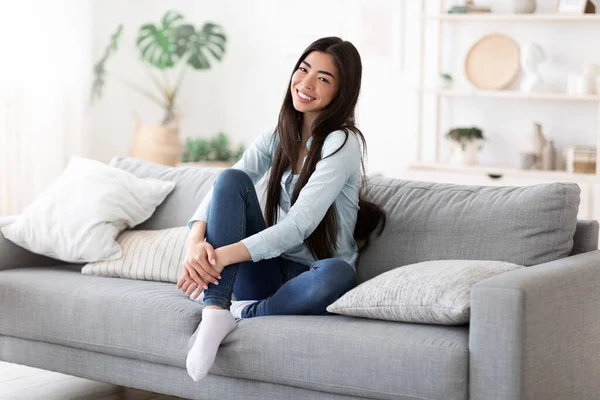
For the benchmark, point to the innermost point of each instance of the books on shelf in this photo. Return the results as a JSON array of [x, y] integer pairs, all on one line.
[[581, 159], [468, 8]]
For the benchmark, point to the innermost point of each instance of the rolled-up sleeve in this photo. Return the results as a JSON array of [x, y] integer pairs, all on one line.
[[315, 198], [255, 161]]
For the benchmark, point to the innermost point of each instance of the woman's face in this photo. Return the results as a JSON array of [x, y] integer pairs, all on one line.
[[315, 83]]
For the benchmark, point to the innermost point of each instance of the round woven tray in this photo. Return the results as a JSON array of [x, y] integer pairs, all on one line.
[[493, 62]]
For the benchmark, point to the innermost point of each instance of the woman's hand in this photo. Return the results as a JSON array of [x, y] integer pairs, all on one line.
[[187, 284], [200, 267]]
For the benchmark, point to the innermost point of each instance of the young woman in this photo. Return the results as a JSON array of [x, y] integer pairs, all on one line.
[[302, 258]]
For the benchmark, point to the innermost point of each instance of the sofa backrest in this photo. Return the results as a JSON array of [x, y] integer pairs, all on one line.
[[586, 237], [425, 221], [525, 225], [192, 184]]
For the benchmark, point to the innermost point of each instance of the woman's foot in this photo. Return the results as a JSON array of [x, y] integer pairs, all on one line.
[[216, 324], [199, 299], [238, 306]]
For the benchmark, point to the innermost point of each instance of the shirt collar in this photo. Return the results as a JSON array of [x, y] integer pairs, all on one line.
[[308, 142]]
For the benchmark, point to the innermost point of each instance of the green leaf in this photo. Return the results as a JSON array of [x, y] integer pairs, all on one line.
[[114, 39], [99, 67], [171, 19], [211, 39], [181, 38], [156, 44]]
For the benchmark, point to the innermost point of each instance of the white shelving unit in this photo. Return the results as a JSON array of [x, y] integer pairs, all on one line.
[[514, 17], [498, 175], [442, 18], [512, 94]]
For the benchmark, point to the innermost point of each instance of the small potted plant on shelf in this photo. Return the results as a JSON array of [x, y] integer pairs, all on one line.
[[466, 143], [445, 81], [211, 152]]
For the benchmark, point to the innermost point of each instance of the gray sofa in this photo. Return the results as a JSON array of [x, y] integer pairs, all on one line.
[[534, 332]]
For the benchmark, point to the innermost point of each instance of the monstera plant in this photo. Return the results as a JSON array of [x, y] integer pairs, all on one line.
[[172, 45]]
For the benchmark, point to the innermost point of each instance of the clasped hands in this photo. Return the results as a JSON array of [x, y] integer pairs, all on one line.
[[200, 268]]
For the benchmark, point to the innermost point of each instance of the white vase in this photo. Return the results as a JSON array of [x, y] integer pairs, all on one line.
[[524, 6], [465, 154]]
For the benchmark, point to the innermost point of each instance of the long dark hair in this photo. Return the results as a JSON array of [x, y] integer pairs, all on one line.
[[338, 115]]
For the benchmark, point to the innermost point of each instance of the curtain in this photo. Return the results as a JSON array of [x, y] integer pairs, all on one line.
[[44, 90]]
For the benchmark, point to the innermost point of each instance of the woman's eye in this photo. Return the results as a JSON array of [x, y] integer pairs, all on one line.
[[324, 80], [302, 69]]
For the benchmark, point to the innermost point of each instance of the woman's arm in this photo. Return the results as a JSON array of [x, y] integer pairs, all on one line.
[[198, 231], [256, 161], [226, 255], [231, 254], [325, 184]]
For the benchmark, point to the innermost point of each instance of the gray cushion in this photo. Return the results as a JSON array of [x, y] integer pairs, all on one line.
[[524, 225], [152, 321], [586, 237], [14, 256], [430, 292], [192, 184]]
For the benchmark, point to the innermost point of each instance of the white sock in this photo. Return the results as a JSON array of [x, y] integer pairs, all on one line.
[[199, 299], [237, 307], [215, 326]]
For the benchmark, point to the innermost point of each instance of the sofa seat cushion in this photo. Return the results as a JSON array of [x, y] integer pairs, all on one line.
[[155, 322], [150, 321], [350, 356]]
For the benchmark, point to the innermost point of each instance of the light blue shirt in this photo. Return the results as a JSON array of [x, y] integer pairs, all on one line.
[[335, 179]]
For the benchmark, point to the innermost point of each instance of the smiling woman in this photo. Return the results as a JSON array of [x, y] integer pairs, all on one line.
[[302, 257], [313, 85]]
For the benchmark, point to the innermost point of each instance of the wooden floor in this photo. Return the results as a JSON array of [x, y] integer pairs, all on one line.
[[18, 382]]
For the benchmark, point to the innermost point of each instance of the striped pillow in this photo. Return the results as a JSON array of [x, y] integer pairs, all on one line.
[[156, 255]]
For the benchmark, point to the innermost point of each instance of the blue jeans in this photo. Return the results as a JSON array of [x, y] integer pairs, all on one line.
[[283, 287]]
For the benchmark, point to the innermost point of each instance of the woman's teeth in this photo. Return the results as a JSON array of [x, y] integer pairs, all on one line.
[[305, 97]]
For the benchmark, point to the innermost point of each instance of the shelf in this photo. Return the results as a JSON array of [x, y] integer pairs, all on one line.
[[507, 170], [511, 94], [515, 17]]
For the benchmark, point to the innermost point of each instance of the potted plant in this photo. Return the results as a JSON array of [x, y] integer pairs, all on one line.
[[445, 81], [466, 142], [215, 152], [171, 45]]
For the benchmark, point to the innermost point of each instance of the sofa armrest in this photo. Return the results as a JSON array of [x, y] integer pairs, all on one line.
[[535, 332], [13, 256]]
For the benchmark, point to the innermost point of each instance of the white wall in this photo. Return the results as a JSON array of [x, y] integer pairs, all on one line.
[[242, 95]]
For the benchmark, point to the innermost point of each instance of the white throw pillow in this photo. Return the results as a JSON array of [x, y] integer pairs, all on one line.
[[156, 255], [79, 216], [430, 292]]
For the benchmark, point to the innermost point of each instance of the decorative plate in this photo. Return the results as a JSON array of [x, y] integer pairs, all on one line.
[[493, 62]]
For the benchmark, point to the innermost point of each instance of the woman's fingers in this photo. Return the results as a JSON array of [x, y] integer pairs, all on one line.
[[195, 295], [180, 282], [185, 285], [204, 258], [212, 257], [184, 275], [191, 288], [198, 274], [209, 271]]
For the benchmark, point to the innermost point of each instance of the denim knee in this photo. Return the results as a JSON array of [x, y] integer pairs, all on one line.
[[336, 272], [230, 178]]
